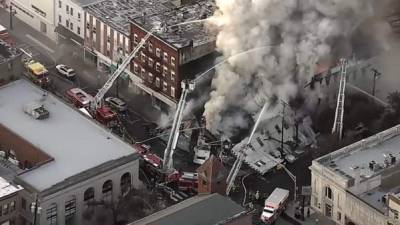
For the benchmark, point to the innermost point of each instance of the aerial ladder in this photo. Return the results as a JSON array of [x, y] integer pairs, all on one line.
[[230, 180], [338, 123], [97, 103], [168, 165]]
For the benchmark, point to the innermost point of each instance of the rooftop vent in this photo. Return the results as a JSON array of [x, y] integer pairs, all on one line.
[[36, 110]]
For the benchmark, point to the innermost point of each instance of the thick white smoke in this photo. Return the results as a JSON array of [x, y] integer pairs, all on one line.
[[302, 32]]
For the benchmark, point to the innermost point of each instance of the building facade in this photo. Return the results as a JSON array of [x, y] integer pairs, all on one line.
[[37, 14], [353, 185], [10, 203], [70, 16], [10, 62]]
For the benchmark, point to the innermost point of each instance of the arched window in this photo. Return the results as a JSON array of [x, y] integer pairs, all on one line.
[[125, 183], [107, 190], [51, 214], [88, 194]]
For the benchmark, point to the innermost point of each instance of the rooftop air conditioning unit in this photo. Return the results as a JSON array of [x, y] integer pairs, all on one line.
[[36, 110]]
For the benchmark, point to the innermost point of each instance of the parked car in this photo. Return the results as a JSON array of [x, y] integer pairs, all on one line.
[[66, 71], [116, 103]]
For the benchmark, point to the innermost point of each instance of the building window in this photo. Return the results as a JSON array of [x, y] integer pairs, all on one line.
[[151, 62], [59, 19], [72, 11], [71, 26], [339, 216], [143, 57], [135, 39], [88, 195], [173, 61], [79, 15], [172, 76], [5, 209], [135, 69], [165, 86], [158, 52], [107, 190], [158, 67], [67, 9], [165, 71], [165, 57], [23, 203], [173, 92], [12, 206], [126, 183], [328, 192], [78, 30], [70, 208], [395, 214], [150, 47], [150, 77], [59, 4], [143, 73], [157, 82], [51, 214], [67, 23]]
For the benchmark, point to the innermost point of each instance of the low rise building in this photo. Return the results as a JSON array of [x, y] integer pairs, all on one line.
[[64, 161], [37, 14], [10, 203], [10, 62], [359, 184]]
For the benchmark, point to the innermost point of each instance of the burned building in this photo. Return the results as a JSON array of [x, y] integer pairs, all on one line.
[[10, 62]]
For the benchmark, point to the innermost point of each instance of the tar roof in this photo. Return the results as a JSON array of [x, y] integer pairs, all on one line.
[[75, 142], [358, 155], [146, 14], [198, 210], [86, 2]]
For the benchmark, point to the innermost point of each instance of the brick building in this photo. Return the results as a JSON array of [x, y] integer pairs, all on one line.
[[166, 56]]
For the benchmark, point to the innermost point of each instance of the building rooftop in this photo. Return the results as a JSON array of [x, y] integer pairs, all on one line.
[[146, 14], [377, 151], [7, 189], [7, 52], [198, 210], [75, 142]]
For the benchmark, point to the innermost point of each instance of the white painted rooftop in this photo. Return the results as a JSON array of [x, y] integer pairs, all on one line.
[[75, 142], [7, 189], [361, 153]]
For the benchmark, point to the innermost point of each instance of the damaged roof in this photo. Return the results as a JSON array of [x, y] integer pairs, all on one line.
[[7, 52]]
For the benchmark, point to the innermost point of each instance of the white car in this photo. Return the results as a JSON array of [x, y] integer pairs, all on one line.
[[66, 71], [116, 103]]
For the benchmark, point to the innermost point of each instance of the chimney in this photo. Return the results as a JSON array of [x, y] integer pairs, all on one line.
[[212, 177], [357, 175]]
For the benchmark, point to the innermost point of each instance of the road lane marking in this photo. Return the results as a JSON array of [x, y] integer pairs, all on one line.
[[40, 43]]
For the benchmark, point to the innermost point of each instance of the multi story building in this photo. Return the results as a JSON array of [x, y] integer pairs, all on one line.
[[10, 62], [359, 184], [64, 161], [70, 19], [10, 203], [113, 29], [37, 14]]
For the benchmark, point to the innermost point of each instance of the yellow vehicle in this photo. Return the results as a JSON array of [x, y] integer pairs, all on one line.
[[37, 73]]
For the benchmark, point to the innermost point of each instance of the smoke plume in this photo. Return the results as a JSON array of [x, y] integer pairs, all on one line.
[[299, 32]]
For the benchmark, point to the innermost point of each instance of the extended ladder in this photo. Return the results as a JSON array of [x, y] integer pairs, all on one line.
[[338, 123]]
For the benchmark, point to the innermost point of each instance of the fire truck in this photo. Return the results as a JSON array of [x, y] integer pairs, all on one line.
[[82, 100], [5, 36], [37, 73]]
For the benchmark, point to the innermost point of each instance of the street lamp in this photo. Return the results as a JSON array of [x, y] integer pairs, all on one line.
[[12, 13], [35, 209]]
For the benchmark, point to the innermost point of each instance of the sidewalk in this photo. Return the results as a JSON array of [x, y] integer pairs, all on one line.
[[315, 217]]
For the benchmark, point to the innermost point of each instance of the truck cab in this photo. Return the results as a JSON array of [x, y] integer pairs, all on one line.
[[274, 205], [38, 73]]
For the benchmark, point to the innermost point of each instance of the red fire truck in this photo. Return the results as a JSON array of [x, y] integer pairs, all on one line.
[[5, 36]]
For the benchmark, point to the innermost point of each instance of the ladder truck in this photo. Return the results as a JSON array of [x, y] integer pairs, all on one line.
[[230, 180], [97, 108]]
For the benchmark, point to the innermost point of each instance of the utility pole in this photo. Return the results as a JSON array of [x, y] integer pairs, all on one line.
[[376, 75], [11, 16], [35, 209]]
